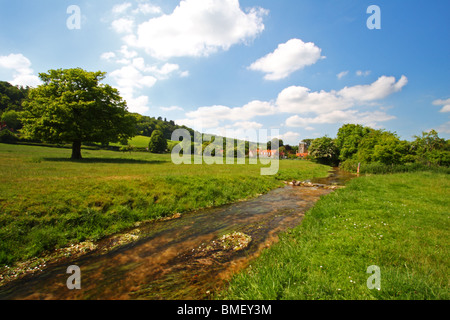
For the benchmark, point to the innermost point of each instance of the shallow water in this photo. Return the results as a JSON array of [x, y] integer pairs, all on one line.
[[169, 262]]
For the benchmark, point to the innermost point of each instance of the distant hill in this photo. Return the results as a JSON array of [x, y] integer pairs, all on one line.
[[11, 97], [145, 126]]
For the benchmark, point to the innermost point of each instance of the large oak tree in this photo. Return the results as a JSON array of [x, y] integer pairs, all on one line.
[[73, 106]]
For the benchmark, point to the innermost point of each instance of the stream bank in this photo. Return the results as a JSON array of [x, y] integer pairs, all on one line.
[[189, 257]]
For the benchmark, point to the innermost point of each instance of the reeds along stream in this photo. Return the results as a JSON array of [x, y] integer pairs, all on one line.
[[190, 257]]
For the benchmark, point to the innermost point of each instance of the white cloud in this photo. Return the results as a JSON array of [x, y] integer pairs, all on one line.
[[444, 128], [380, 89], [121, 8], [446, 108], [339, 116], [123, 61], [291, 138], [135, 75], [196, 124], [173, 108], [108, 56], [26, 80], [17, 62], [212, 114], [302, 100], [254, 109], [184, 74], [246, 125], [320, 107], [287, 58], [138, 105], [123, 25], [147, 8], [209, 116], [168, 68], [198, 28], [22, 71], [128, 79], [160, 72], [360, 73], [342, 74], [127, 54], [444, 103], [164, 70]]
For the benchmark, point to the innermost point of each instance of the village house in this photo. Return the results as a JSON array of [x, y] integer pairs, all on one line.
[[263, 153]]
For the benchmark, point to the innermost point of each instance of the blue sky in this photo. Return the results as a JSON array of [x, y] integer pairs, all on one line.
[[303, 67]]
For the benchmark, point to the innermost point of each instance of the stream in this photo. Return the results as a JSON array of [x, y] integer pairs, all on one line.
[[180, 259]]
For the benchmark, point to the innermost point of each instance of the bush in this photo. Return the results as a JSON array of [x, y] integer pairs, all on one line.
[[157, 144], [7, 136], [380, 168]]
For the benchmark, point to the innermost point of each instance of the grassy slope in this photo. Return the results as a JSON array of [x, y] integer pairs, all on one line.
[[141, 142], [398, 222], [48, 201]]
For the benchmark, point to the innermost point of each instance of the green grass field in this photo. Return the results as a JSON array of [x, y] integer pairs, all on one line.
[[398, 222], [48, 201], [141, 142]]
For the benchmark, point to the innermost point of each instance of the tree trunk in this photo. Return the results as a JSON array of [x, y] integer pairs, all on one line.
[[76, 150]]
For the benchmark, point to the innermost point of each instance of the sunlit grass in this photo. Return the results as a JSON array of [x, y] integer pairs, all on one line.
[[48, 201], [399, 223]]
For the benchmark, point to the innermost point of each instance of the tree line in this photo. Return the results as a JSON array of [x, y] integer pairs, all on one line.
[[357, 144], [74, 106]]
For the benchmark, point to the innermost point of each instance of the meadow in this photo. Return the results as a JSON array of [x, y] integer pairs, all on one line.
[[397, 222], [48, 201]]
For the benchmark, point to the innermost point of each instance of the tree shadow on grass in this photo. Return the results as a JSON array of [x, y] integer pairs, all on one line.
[[107, 160]]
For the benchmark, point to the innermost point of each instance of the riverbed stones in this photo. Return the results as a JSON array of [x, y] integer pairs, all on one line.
[[312, 185]]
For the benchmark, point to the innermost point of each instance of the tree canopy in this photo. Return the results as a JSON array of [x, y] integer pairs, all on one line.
[[348, 139], [73, 106], [324, 150], [359, 144], [145, 126], [11, 97], [157, 144]]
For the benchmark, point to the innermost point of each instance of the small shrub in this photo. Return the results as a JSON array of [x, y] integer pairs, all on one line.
[[7, 136]]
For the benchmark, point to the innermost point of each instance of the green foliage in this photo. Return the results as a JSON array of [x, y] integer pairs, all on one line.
[[383, 152], [146, 125], [324, 150], [396, 222], [383, 147], [72, 106], [11, 118], [11, 97], [380, 168], [157, 144], [7, 136], [431, 149], [348, 139], [273, 142]]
